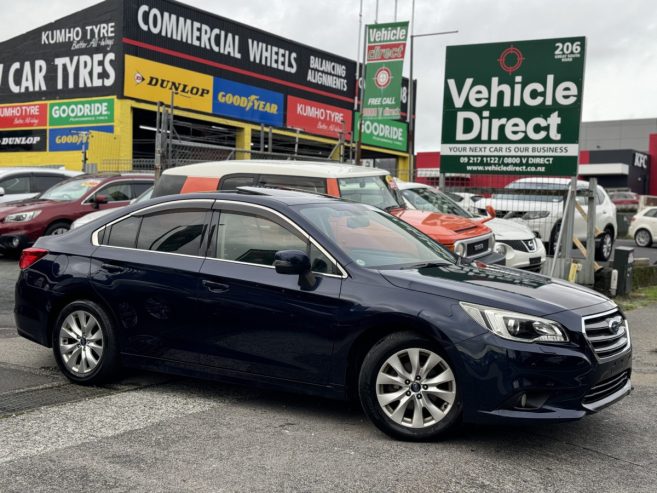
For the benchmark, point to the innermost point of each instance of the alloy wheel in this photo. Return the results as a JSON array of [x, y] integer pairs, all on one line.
[[416, 388], [81, 342], [59, 231], [607, 244], [642, 238]]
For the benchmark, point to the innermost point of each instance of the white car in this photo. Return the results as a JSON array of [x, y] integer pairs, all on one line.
[[543, 212], [515, 241], [465, 200], [87, 218], [644, 227], [21, 183]]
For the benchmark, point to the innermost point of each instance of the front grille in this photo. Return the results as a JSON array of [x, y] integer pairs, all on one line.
[[477, 248], [606, 388], [521, 245], [607, 333]]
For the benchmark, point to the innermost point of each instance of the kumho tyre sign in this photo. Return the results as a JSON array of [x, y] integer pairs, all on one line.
[[513, 108]]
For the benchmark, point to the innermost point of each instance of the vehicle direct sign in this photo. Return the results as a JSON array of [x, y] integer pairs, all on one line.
[[384, 62], [23, 115], [389, 134], [23, 140], [72, 138], [90, 111], [318, 118], [247, 102], [153, 81], [513, 108]]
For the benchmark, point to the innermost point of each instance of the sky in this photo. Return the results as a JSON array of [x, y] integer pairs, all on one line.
[[621, 66]]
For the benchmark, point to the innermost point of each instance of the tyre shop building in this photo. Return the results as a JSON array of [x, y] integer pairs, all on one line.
[[92, 80]]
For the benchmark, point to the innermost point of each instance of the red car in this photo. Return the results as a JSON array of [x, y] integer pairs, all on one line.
[[625, 201], [52, 213]]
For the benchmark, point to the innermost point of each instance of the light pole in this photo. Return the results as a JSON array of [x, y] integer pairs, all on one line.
[[410, 113]]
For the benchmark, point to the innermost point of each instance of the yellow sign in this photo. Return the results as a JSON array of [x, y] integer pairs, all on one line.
[[154, 81]]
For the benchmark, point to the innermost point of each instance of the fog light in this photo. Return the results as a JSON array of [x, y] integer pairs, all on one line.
[[15, 242], [523, 400]]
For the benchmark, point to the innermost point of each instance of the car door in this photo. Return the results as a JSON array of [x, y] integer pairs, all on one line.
[[16, 187], [146, 269], [258, 321]]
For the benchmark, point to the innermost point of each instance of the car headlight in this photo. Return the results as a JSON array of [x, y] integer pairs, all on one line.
[[22, 217], [529, 215], [516, 326], [500, 248], [459, 249]]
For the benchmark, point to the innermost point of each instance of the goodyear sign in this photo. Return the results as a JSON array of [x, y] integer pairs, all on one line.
[[152, 81], [72, 138], [247, 102]]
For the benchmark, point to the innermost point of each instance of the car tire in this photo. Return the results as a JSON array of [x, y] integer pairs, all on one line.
[[643, 238], [84, 343], [605, 246], [554, 235], [408, 388], [57, 228]]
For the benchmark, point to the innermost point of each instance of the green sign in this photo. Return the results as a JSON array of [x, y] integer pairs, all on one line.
[[513, 108], [389, 134], [87, 111], [384, 62]]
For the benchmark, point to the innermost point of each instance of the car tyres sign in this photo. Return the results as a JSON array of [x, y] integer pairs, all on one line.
[[513, 108]]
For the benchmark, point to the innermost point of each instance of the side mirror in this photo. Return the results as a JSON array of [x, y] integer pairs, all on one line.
[[291, 262], [98, 200], [296, 262], [2, 191], [491, 214]]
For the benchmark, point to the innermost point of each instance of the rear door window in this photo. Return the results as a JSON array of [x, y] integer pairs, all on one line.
[[173, 231]]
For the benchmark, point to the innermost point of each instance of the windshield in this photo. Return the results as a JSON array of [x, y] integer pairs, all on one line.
[[371, 190], [427, 199], [144, 196], [372, 238], [70, 190]]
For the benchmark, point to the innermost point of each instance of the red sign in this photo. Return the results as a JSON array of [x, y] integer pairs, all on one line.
[[23, 115], [318, 118]]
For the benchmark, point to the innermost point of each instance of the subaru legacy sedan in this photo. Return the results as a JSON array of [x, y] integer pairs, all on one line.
[[305, 293]]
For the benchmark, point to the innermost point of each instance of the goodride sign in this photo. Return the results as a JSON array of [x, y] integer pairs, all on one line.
[[513, 108]]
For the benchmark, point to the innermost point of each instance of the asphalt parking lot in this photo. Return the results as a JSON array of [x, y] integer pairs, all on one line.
[[158, 433]]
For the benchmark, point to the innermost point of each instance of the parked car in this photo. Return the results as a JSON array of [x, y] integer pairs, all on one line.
[[643, 227], [514, 240], [543, 212], [300, 292], [52, 213], [625, 201], [26, 182], [92, 216], [373, 186]]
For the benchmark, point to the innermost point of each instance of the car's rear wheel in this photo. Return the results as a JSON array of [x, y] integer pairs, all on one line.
[[408, 389], [643, 238], [84, 343], [605, 246], [58, 228]]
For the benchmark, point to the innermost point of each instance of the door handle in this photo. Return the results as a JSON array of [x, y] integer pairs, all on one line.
[[113, 269], [215, 287]]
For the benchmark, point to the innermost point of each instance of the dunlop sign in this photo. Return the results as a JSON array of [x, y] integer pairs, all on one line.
[[513, 108]]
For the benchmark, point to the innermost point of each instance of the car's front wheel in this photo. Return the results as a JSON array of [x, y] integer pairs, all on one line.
[[84, 343], [643, 238], [408, 389]]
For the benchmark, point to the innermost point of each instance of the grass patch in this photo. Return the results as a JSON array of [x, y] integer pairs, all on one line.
[[638, 298]]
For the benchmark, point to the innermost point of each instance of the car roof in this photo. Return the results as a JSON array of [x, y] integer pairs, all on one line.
[[312, 169], [41, 169], [116, 176]]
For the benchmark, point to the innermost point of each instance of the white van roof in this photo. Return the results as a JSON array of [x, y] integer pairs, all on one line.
[[315, 169]]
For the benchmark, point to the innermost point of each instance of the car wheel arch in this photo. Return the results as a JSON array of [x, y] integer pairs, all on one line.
[[370, 336]]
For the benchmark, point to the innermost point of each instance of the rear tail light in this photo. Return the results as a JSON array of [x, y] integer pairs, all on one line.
[[29, 256]]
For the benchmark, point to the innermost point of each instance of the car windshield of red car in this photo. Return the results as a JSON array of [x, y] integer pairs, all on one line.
[[70, 190]]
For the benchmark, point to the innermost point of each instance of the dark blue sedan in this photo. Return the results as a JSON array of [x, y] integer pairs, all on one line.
[[305, 293]]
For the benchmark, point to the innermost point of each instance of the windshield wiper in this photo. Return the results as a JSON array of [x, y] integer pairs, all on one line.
[[423, 265]]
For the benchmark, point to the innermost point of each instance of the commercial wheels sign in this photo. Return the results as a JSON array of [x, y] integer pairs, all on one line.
[[513, 108]]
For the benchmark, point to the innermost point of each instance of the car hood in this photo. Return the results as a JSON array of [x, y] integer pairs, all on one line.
[[505, 229], [24, 206], [496, 286], [445, 228]]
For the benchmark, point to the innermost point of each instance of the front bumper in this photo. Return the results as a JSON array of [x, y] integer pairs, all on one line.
[[507, 381], [521, 258], [14, 242]]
